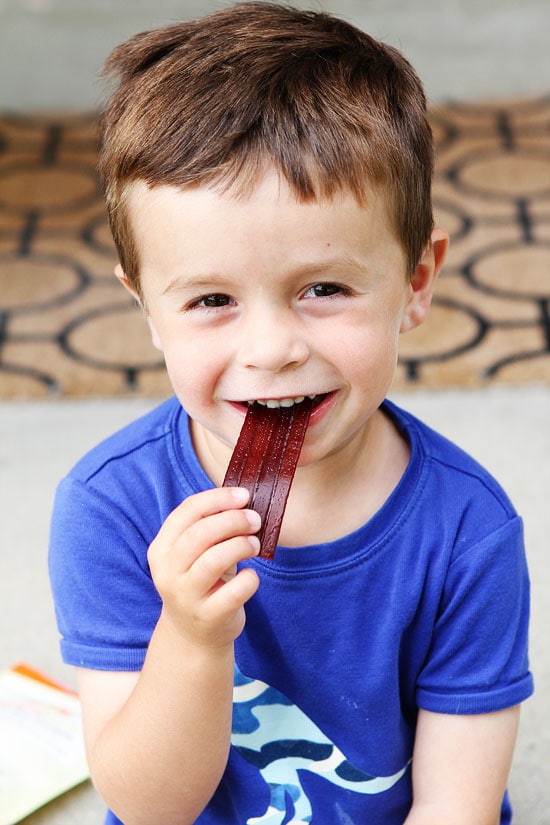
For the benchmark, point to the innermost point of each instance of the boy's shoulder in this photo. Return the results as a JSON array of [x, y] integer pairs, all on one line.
[[149, 431], [451, 466]]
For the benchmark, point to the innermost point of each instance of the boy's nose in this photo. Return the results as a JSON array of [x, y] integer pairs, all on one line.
[[273, 342]]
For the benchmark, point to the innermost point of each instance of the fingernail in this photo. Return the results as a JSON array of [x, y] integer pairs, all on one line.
[[255, 542], [253, 519], [229, 574], [240, 494]]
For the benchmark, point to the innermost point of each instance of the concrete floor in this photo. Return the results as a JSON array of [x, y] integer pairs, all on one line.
[[506, 429]]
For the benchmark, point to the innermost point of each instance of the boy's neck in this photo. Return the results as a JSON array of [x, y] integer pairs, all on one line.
[[329, 502]]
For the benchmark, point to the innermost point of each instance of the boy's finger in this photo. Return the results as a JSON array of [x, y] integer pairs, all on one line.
[[200, 505], [170, 559], [219, 564], [227, 575], [212, 532], [224, 602]]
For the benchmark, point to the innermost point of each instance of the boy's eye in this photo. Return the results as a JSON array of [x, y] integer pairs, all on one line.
[[217, 299], [325, 290]]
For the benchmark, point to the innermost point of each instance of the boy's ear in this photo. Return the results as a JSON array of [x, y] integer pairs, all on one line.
[[423, 280], [119, 272]]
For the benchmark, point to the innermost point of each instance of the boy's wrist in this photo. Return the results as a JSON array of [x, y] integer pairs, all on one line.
[[189, 647]]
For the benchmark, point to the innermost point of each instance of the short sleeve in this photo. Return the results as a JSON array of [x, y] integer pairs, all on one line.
[[106, 603], [478, 657]]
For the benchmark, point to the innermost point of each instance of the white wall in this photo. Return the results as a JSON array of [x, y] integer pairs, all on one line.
[[51, 51]]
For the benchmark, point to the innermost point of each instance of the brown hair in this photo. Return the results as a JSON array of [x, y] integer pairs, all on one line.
[[219, 99]]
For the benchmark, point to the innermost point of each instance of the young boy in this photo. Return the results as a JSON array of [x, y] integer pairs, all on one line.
[[267, 173]]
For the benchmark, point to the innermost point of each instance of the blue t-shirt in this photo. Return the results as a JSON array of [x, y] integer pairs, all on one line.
[[424, 606]]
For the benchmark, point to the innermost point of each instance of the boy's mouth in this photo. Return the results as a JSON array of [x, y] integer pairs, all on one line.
[[285, 403]]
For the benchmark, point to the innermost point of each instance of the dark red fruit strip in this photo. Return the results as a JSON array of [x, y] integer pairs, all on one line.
[[264, 462]]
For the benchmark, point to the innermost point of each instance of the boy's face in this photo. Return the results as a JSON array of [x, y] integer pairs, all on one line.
[[269, 298]]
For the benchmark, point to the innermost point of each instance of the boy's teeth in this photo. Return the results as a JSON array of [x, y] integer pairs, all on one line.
[[281, 402]]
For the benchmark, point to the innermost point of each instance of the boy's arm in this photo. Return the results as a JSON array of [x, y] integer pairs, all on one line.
[[158, 741], [460, 767]]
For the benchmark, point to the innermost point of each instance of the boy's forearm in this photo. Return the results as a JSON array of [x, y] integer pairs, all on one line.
[[432, 815], [161, 757]]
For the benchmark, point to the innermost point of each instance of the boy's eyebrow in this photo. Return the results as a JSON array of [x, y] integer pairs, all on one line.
[[313, 268], [339, 267], [192, 282], [337, 262]]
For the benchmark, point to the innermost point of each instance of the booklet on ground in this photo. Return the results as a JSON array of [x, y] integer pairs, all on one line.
[[41, 743]]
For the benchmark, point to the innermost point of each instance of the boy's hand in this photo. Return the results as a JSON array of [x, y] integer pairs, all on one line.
[[193, 564]]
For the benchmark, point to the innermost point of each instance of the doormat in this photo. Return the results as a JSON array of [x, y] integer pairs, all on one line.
[[67, 329]]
